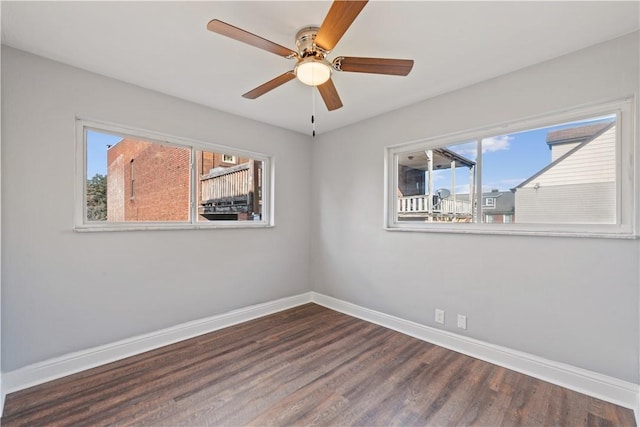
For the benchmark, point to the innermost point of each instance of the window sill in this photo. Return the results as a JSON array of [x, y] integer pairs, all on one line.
[[163, 227], [517, 232]]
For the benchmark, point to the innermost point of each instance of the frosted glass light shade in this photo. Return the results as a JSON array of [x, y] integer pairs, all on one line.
[[312, 71]]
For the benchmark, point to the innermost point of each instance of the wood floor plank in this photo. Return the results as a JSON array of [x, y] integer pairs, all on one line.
[[337, 371], [260, 394], [372, 389], [231, 369], [306, 366]]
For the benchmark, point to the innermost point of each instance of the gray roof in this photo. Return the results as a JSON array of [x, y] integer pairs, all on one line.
[[577, 133]]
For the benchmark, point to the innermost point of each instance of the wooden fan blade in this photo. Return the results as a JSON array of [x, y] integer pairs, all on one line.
[[340, 16], [270, 85], [330, 95], [396, 67], [241, 35]]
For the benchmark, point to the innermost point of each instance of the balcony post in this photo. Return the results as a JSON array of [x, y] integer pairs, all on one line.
[[429, 154], [453, 185]]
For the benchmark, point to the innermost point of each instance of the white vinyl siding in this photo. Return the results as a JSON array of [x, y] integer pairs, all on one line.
[[564, 204], [579, 189], [591, 163], [560, 150]]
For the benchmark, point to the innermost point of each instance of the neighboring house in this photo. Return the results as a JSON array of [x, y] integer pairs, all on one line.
[[136, 192], [582, 173], [418, 200], [498, 207], [228, 186]]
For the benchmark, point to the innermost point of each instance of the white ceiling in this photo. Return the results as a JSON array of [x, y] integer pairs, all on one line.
[[165, 46]]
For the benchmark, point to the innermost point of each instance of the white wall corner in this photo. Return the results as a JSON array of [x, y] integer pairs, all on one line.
[[68, 364], [597, 385]]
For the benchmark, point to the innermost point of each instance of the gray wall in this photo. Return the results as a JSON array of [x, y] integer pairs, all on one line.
[[64, 291], [1, 388], [573, 300]]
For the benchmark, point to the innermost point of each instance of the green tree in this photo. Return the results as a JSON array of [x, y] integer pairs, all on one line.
[[97, 198]]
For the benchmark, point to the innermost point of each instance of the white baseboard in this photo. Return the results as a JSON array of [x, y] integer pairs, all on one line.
[[603, 387], [68, 364]]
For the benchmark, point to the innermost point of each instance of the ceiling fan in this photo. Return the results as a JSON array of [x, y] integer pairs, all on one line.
[[314, 44]]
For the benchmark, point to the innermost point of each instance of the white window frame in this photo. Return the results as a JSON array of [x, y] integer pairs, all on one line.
[[233, 158], [626, 225], [81, 223], [491, 205]]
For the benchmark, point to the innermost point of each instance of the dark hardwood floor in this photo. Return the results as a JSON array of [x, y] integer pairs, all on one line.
[[305, 366]]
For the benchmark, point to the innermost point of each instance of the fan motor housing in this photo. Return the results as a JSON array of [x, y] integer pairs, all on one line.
[[305, 42]]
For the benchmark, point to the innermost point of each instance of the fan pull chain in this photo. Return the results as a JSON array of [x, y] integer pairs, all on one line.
[[313, 112]]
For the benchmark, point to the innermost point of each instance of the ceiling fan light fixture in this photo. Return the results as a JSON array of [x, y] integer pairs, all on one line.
[[313, 71], [313, 45]]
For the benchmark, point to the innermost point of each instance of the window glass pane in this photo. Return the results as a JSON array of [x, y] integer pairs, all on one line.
[[226, 191], [133, 180], [562, 174], [437, 185]]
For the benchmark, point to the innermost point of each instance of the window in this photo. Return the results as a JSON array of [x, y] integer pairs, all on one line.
[[489, 202], [138, 180], [569, 174], [132, 178], [226, 158]]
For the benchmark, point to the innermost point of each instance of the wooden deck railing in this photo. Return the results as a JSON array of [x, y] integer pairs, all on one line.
[[224, 183], [425, 204]]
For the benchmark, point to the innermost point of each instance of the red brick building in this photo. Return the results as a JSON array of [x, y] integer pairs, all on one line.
[[147, 182], [151, 182]]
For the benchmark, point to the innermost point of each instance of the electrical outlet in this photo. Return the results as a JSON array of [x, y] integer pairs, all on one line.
[[439, 316], [462, 321]]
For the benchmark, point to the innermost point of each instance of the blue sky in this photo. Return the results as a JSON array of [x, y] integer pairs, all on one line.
[[507, 160], [97, 151]]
